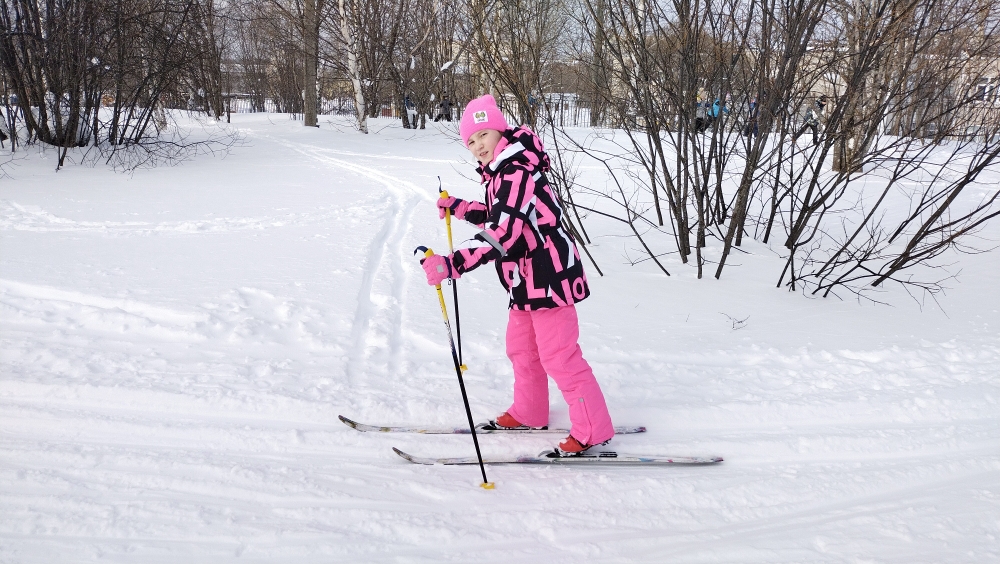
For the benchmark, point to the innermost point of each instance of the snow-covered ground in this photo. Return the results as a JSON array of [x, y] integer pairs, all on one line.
[[177, 344]]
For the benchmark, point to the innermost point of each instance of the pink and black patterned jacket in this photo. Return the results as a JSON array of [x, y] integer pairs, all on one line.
[[536, 259]]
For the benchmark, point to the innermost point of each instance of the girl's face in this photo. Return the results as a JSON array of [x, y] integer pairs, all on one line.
[[482, 143]]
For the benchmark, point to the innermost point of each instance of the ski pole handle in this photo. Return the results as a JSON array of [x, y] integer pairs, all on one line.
[[444, 309], [422, 249], [427, 254]]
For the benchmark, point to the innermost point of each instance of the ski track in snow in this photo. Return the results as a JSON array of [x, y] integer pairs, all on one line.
[[76, 310], [16, 217], [377, 324], [374, 156]]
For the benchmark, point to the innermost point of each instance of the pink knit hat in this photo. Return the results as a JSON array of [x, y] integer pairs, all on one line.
[[481, 113]]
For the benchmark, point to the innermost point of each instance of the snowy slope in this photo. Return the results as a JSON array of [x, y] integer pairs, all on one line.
[[177, 344]]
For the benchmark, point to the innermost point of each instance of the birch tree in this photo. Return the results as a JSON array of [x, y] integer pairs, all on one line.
[[347, 13]]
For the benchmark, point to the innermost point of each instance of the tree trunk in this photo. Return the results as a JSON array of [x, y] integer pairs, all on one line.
[[404, 112], [311, 37], [600, 76], [353, 69]]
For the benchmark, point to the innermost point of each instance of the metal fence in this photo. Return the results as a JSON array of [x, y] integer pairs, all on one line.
[[565, 110], [569, 110], [244, 104]]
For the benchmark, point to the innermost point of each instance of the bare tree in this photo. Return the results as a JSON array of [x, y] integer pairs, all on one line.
[[516, 40], [65, 60], [708, 97], [923, 57]]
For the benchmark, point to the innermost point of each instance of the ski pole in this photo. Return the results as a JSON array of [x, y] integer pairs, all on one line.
[[458, 371], [454, 283]]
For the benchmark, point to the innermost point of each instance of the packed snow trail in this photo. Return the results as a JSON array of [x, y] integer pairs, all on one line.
[[175, 346], [378, 313]]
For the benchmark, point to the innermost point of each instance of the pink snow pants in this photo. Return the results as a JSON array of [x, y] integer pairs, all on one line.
[[544, 342]]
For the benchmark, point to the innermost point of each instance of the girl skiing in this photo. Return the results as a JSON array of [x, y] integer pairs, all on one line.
[[540, 268]]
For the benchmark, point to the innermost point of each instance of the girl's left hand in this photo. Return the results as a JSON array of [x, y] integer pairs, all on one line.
[[458, 207]]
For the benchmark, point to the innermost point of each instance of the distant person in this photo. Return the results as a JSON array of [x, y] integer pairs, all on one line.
[[701, 116], [411, 109], [539, 267], [533, 104], [813, 117], [718, 108], [750, 128], [712, 113], [444, 109]]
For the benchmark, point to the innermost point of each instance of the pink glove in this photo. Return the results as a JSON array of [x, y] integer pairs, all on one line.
[[437, 268], [457, 207]]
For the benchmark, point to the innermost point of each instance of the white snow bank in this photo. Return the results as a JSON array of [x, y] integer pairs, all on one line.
[[176, 345]]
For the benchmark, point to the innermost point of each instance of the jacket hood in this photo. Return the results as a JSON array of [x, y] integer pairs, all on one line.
[[520, 145]]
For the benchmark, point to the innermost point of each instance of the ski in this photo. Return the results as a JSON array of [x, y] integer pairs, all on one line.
[[551, 457], [484, 428]]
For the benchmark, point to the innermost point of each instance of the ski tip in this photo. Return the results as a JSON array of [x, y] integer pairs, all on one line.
[[704, 461], [409, 457], [348, 422], [629, 430]]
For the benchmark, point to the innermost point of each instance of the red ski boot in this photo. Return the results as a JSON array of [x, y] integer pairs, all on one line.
[[507, 423], [572, 447]]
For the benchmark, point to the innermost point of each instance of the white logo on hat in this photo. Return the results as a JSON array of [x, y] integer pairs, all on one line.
[[480, 116]]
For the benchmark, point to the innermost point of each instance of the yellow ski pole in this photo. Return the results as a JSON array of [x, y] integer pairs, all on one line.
[[454, 283], [458, 371]]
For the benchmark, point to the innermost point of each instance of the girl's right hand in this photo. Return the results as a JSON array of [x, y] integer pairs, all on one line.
[[458, 207], [437, 268]]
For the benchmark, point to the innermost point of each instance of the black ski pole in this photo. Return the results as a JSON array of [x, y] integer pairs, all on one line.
[[458, 371]]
